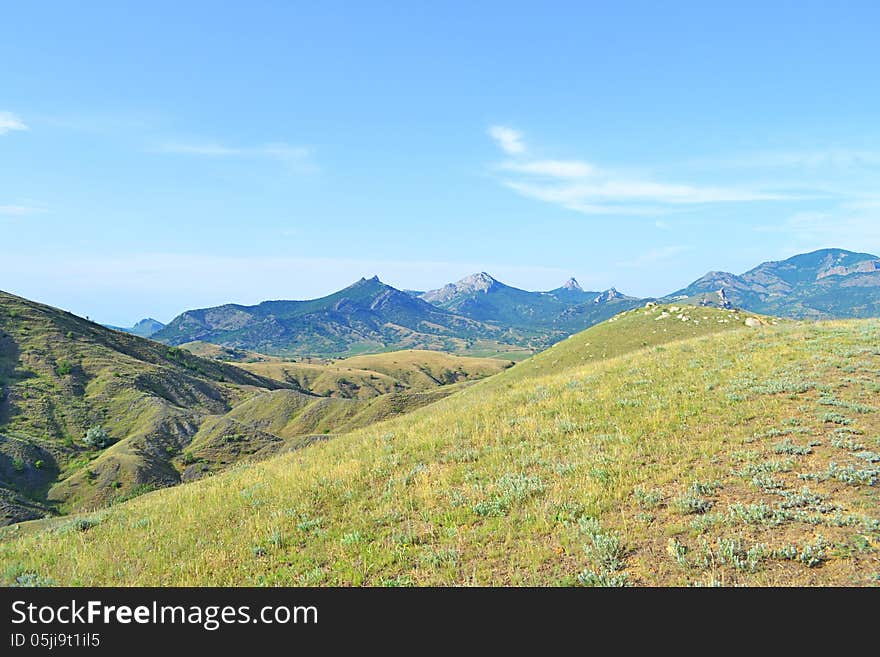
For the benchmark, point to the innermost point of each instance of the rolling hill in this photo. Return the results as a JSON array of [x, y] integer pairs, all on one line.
[[721, 453], [376, 374], [632, 330], [829, 283], [61, 376], [90, 415]]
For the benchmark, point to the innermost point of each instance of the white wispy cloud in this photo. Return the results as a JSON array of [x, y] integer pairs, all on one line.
[[297, 158], [588, 188], [10, 122], [508, 139], [20, 210], [552, 168]]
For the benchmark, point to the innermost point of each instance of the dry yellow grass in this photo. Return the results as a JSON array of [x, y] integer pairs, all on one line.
[[377, 374], [704, 461]]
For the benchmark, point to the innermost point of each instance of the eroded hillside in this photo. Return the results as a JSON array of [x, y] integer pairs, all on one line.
[[746, 456], [91, 416]]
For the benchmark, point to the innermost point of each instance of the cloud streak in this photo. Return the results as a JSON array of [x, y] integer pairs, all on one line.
[[297, 158], [10, 122], [587, 188], [508, 139]]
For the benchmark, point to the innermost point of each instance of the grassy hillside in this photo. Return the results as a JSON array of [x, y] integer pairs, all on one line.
[[635, 329], [746, 456], [227, 354], [61, 375], [161, 415], [376, 374]]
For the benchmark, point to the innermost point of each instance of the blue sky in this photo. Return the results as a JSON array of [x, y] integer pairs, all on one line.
[[160, 156]]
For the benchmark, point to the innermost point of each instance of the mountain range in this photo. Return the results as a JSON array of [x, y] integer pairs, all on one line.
[[823, 284], [671, 445], [480, 315], [476, 315], [366, 316], [656, 416]]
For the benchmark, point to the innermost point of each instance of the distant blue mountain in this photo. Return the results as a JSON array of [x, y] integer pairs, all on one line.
[[824, 284], [145, 328]]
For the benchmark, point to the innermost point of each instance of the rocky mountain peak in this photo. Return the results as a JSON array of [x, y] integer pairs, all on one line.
[[608, 295], [573, 285], [481, 282]]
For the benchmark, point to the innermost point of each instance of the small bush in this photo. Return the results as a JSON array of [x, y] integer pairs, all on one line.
[[648, 499], [812, 556], [750, 514], [836, 418], [788, 447], [80, 525], [98, 437], [591, 578], [307, 524], [605, 550], [731, 552], [511, 489], [690, 504], [677, 551], [31, 579], [848, 474], [440, 558], [870, 457]]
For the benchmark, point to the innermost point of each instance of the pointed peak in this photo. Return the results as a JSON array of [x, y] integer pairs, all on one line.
[[481, 282], [481, 276], [476, 282], [572, 284], [608, 295]]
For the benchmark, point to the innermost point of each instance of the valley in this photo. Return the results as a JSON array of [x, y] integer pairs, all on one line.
[[166, 415], [472, 435], [736, 453]]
